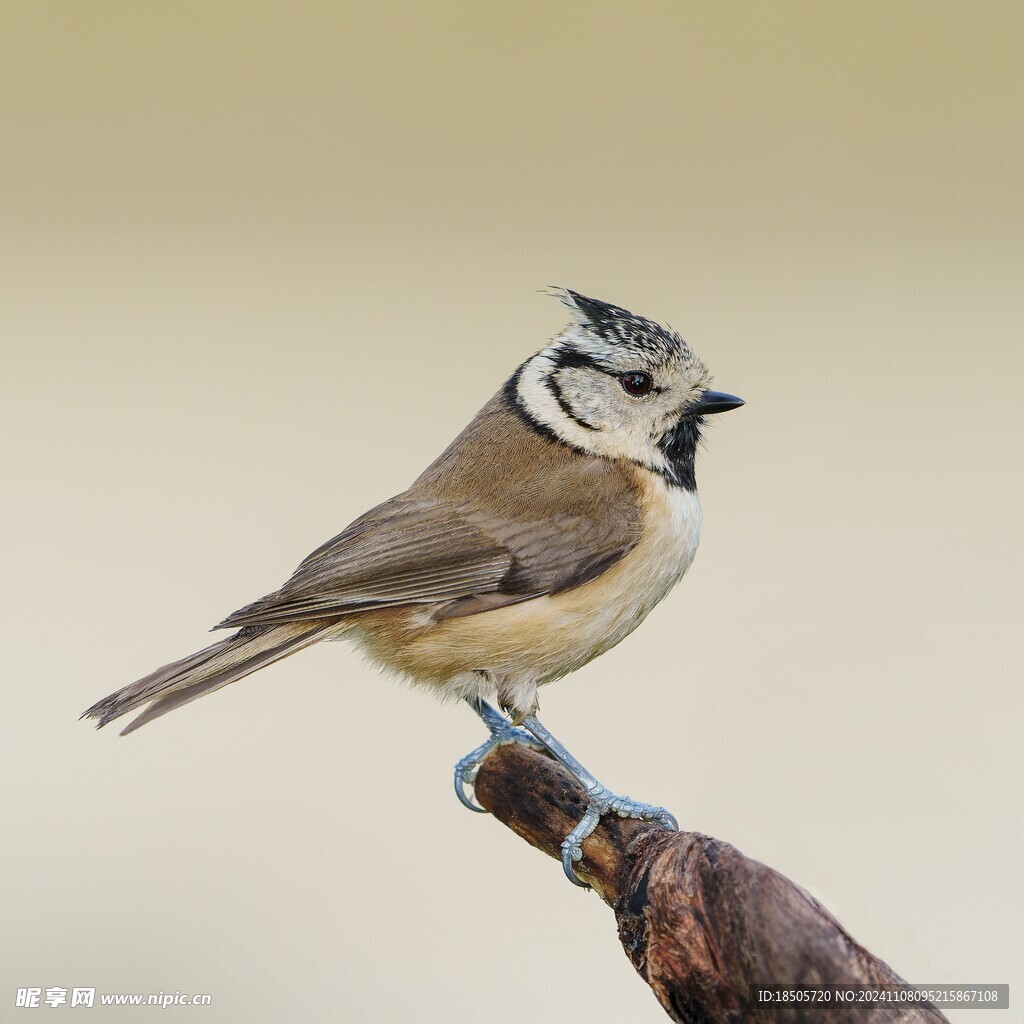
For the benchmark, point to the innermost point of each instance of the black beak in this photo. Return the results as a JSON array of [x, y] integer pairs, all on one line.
[[714, 401]]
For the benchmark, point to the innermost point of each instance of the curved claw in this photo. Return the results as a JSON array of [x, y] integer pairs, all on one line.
[[572, 847], [464, 798], [568, 860], [466, 769]]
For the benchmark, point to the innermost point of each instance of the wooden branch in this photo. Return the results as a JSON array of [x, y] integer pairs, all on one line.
[[703, 925]]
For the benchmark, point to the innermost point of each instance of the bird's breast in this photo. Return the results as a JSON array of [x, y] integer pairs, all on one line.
[[671, 534]]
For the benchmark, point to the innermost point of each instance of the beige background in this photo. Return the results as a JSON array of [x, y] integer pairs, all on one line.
[[261, 262]]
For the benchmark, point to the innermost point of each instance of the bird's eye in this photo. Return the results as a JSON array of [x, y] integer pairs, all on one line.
[[637, 384]]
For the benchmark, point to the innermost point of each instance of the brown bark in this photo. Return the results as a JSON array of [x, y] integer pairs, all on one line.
[[703, 925]]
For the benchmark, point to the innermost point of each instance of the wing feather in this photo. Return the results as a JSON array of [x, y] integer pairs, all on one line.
[[504, 515], [435, 554], [413, 555]]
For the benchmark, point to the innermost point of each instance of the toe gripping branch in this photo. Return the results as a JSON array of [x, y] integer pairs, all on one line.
[[501, 732], [600, 799], [603, 801]]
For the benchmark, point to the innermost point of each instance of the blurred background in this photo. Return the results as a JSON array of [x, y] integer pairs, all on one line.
[[262, 261]]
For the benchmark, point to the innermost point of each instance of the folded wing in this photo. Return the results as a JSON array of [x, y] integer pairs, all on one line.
[[427, 551]]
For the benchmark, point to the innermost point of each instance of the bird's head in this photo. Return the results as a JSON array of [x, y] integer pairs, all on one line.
[[616, 385]]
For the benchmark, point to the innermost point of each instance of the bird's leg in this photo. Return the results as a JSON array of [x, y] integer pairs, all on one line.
[[600, 800], [502, 731]]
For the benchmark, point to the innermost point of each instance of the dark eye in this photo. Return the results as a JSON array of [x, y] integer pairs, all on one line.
[[637, 384]]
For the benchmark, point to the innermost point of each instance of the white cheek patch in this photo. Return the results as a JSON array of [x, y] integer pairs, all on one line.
[[587, 399], [623, 440], [541, 405]]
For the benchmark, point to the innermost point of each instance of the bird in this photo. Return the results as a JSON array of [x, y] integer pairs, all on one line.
[[538, 540]]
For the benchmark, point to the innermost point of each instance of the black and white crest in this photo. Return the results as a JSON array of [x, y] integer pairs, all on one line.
[[619, 326], [617, 385]]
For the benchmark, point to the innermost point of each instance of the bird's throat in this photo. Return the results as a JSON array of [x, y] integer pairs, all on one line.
[[679, 447]]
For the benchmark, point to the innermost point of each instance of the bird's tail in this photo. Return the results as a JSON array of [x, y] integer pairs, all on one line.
[[207, 670]]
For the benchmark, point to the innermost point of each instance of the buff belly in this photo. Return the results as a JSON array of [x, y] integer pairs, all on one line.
[[546, 637]]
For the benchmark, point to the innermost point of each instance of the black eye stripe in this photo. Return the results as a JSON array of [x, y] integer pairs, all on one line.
[[568, 358]]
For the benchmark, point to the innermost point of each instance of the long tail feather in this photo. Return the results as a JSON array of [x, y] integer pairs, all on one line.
[[207, 670]]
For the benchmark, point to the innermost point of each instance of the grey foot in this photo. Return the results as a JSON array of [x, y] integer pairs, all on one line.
[[604, 801], [466, 769], [600, 799]]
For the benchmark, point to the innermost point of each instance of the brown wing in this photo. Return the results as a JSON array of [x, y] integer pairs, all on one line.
[[471, 534], [407, 552]]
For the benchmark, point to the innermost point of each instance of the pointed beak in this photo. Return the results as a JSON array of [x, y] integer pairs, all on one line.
[[714, 401]]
